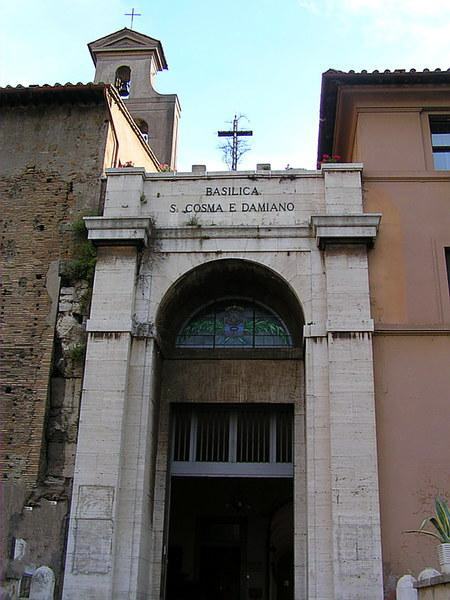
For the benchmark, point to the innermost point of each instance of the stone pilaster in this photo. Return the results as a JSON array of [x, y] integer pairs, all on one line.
[[135, 504], [94, 549], [318, 470], [353, 453], [349, 432]]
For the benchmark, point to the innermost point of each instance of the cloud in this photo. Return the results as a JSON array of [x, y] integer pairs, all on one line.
[[416, 30], [409, 9]]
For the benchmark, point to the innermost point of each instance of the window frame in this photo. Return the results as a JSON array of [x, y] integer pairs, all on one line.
[[437, 149], [447, 265]]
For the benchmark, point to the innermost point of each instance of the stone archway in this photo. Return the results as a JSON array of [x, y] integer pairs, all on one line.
[[233, 381]]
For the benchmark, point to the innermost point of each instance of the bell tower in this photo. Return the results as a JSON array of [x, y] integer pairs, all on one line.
[[130, 61]]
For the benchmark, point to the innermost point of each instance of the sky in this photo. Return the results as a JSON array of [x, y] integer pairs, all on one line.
[[258, 58]]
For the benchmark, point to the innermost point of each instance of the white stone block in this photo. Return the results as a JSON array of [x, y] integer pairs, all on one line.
[[406, 589], [42, 584]]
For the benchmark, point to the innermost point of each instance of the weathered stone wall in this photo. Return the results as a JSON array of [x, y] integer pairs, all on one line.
[[51, 160], [244, 381]]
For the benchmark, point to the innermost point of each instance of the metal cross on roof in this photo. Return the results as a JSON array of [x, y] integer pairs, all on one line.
[[132, 14], [235, 133]]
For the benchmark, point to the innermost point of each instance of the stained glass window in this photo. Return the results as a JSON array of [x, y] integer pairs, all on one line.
[[234, 324]]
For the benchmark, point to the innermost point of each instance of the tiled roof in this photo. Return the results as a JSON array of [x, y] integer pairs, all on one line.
[[46, 85], [20, 94], [386, 71], [33, 86]]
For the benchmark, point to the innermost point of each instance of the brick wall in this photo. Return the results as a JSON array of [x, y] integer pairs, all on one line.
[[51, 161], [40, 198]]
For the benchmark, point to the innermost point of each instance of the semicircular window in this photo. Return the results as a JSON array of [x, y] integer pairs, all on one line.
[[234, 323]]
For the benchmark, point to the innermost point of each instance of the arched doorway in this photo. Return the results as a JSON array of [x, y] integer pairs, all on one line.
[[231, 427]]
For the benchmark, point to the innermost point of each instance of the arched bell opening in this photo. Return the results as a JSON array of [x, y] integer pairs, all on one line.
[[122, 81], [231, 432]]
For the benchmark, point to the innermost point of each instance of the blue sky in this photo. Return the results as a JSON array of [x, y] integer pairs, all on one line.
[[259, 58]]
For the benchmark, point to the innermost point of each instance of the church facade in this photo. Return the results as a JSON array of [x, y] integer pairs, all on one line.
[[228, 407], [218, 358]]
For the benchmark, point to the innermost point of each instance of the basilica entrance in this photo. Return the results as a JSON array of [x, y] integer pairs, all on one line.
[[232, 414], [231, 522], [230, 539]]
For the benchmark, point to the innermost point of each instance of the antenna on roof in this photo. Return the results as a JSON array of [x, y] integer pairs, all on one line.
[[132, 14]]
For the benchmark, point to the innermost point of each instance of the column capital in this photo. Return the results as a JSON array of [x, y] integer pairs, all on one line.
[[345, 229], [118, 231]]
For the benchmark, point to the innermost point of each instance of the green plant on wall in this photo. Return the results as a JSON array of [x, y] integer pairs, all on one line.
[[193, 221], [76, 353], [85, 301], [82, 266]]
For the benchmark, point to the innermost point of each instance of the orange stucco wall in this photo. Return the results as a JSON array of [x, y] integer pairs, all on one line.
[[412, 399], [383, 151], [407, 266]]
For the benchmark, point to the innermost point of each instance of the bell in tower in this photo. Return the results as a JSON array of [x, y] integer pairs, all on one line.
[[123, 81], [129, 61]]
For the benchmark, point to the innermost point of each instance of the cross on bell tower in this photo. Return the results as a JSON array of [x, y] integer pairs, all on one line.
[[132, 14]]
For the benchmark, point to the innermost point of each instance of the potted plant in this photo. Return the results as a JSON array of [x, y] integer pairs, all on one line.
[[328, 158], [441, 522]]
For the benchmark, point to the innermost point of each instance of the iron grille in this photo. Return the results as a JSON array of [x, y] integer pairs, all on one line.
[[253, 436], [219, 441], [284, 438], [213, 432], [181, 435]]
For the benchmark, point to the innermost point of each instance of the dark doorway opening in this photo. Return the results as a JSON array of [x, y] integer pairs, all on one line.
[[230, 539], [219, 571]]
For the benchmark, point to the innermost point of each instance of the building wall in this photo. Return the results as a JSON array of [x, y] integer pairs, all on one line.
[[386, 127], [384, 152], [412, 383], [388, 130], [407, 266], [410, 303], [51, 163]]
